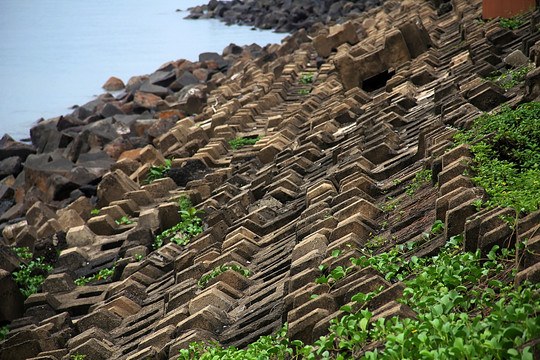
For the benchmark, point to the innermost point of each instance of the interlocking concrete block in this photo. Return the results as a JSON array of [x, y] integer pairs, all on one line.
[[141, 197], [214, 297], [318, 190], [80, 236], [158, 338], [149, 219], [58, 283], [102, 225], [122, 306], [113, 186], [392, 309], [209, 318], [323, 301], [50, 227], [457, 182], [94, 349], [101, 318], [315, 242], [362, 206], [114, 211], [302, 329], [354, 225], [308, 261], [69, 219], [38, 214]]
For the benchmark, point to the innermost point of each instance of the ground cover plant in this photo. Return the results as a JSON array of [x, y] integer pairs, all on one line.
[[241, 142], [506, 155], [510, 78], [190, 226], [101, 274], [467, 307], [31, 274]]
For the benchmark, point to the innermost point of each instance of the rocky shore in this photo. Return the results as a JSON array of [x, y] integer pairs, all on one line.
[[341, 117]]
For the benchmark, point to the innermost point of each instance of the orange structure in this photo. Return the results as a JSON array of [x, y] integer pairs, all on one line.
[[505, 8]]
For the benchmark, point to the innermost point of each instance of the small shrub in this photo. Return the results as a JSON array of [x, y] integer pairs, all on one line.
[[94, 212], [190, 226], [31, 275], [306, 78], [511, 23], [159, 172], [303, 92]]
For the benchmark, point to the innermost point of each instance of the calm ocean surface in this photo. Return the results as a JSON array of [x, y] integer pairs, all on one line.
[[58, 53]]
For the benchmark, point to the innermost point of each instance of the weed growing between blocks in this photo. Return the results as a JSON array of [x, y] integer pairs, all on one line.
[[190, 226], [32, 274]]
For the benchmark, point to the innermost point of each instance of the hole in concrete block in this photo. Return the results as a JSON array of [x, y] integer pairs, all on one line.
[[378, 81]]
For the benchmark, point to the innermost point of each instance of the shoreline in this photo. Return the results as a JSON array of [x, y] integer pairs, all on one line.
[[279, 190]]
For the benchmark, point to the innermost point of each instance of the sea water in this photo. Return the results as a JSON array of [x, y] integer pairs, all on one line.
[[58, 53]]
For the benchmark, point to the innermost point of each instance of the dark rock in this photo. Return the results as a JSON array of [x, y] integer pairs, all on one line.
[[59, 187], [160, 127], [95, 160], [38, 168], [212, 56], [10, 166], [116, 147], [10, 148], [110, 110], [157, 90], [192, 170], [68, 121], [162, 78], [12, 305]]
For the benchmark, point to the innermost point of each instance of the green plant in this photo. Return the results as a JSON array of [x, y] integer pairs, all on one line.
[[124, 220], [306, 78], [159, 171], [4, 330], [303, 92], [419, 179], [506, 155], [30, 275], [139, 257], [510, 78], [94, 212], [101, 274], [23, 252], [78, 357], [241, 142], [219, 270], [190, 226], [389, 206], [511, 23]]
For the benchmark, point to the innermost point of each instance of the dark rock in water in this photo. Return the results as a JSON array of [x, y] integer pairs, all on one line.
[[10, 166], [10, 148], [193, 169], [232, 49]]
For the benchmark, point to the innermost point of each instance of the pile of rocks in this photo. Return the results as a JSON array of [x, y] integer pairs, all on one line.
[[281, 15], [347, 120]]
